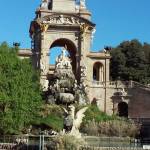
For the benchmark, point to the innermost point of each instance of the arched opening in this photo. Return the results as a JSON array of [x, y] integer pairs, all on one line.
[[50, 4], [123, 109], [98, 72], [55, 50]]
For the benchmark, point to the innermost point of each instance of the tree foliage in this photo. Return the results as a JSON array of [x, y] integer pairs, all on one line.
[[20, 96], [131, 61]]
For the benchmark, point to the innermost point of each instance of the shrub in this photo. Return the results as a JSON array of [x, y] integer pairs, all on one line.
[[66, 142], [51, 116], [93, 113], [119, 128]]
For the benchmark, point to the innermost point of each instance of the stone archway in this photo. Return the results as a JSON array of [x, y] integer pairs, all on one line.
[[123, 109], [61, 27], [70, 47]]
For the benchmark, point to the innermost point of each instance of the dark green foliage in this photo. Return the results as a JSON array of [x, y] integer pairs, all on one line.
[[93, 113], [52, 116], [20, 98], [131, 61], [53, 121]]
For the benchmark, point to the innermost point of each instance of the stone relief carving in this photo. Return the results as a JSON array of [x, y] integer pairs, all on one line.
[[62, 20], [44, 27], [43, 64], [42, 67], [83, 71]]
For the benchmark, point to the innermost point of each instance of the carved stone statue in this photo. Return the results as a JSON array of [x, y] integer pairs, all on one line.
[[65, 89], [73, 120], [123, 92], [82, 4], [43, 65], [92, 36], [44, 4], [45, 85], [64, 52], [63, 61], [62, 19], [83, 71]]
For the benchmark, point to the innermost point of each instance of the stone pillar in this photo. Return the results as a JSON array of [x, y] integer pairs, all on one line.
[[44, 61], [77, 66], [100, 74], [85, 47]]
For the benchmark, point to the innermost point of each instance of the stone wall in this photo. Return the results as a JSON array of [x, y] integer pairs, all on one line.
[[138, 99], [139, 105]]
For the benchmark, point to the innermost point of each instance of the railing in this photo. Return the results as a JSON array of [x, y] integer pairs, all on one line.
[[137, 84], [94, 82], [141, 120], [92, 143], [118, 84], [114, 84]]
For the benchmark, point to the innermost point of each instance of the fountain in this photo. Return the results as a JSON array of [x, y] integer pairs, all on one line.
[[64, 90]]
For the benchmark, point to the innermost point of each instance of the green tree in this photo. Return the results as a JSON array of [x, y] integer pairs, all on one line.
[[117, 63], [130, 60], [146, 48], [20, 96]]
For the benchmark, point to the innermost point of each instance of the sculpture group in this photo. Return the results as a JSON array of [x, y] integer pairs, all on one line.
[[64, 90]]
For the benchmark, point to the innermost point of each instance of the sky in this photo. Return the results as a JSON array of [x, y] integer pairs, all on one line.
[[116, 21]]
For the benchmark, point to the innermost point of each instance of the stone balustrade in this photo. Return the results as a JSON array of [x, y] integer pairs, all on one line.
[[109, 148]]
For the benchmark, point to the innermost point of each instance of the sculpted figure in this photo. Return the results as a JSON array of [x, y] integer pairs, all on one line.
[[45, 85], [83, 71], [92, 36], [82, 4], [62, 61], [73, 120], [42, 67], [62, 19], [63, 52], [44, 4]]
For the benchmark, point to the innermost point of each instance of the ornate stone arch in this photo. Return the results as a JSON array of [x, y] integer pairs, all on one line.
[[70, 47]]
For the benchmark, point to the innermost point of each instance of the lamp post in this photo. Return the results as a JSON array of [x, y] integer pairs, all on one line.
[[105, 85], [106, 50]]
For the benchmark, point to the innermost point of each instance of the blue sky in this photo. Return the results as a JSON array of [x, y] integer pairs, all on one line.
[[116, 20]]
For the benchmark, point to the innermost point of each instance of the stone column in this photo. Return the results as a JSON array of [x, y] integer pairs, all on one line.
[[77, 66], [85, 47], [44, 61], [100, 74]]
